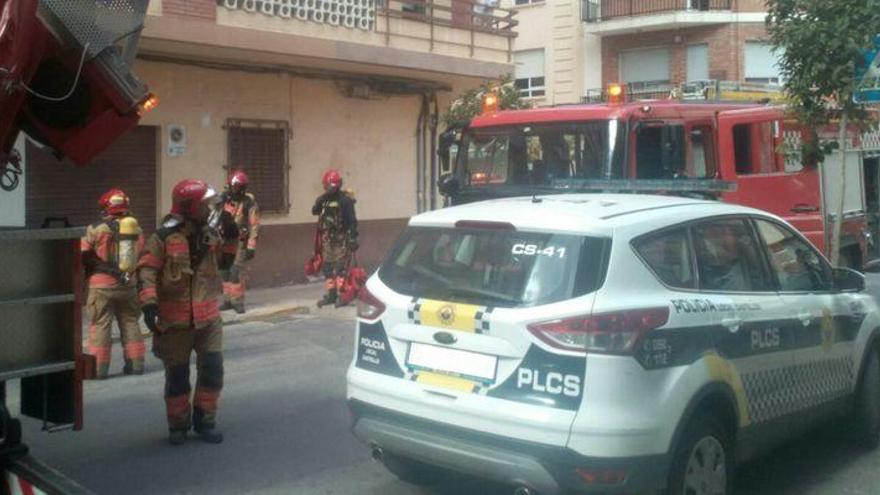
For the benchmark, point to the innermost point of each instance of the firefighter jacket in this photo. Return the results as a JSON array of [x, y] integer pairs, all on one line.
[[100, 254], [179, 272], [246, 213], [337, 216]]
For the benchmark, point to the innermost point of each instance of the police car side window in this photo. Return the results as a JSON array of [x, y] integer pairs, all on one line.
[[728, 258], [795, 263], [669, 256]]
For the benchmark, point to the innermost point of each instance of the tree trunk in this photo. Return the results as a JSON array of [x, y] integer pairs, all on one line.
[[838, 214]]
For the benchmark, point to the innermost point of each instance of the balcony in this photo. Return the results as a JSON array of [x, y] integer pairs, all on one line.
[[474, 29], [611, 17]]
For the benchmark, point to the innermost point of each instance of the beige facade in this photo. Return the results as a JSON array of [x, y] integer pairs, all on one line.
[[356, 83], [584, 42]]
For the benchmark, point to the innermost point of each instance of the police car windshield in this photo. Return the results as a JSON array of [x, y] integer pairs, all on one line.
[[500, 268], [540, 153]]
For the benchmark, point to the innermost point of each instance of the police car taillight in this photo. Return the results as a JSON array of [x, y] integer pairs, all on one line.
[[368, 306], [606, 333]]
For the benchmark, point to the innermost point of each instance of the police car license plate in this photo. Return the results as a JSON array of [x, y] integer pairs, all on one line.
[[466, 364]]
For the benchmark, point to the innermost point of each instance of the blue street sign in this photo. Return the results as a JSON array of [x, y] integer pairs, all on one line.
[[868, 74]]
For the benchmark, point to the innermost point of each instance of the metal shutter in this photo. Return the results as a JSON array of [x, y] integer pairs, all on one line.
[[262, 153], [60, 189]]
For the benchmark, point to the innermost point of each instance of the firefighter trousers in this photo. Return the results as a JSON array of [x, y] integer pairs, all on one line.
[[235, 278], [174, 348], [103, 306]]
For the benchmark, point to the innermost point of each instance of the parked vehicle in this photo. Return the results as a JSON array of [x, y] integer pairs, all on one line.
[[598, 343], [737, 151]]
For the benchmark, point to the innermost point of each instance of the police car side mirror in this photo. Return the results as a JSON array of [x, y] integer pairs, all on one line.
[[872, 266], [848, 280], [448, 184]]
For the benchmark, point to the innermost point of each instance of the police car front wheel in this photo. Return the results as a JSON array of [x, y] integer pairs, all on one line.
[[867, 424], [702, 462]]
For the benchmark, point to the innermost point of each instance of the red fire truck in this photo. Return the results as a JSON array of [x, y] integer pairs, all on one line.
[[741, 152], [66, 83]]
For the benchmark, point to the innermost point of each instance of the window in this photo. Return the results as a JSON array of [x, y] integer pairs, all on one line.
[[797, 266], [698, 62], [542, 153], [260, 149], [502, 268], [668, 254], [728, 258], [645, 69], [754, 148], [526, 2], [660, 151], [762, 63], [702, 160], [530, 72]]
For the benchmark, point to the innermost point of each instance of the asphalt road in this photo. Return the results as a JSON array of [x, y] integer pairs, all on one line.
[[286, 427]]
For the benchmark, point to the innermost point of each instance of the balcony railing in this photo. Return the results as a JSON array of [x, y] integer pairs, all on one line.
[[604, 10]]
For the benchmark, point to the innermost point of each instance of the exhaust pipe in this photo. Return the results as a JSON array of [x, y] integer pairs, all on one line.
[[523, 490], [378, 454]]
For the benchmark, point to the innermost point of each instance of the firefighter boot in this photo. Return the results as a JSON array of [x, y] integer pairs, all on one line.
[[225, 306], [102, 371], [206, 431], [176, 437], [133, 367], [329, 299], [238, 307]]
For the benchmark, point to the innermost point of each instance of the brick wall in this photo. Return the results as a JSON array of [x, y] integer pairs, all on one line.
[[726, 42], [750, 5], [200, 9]]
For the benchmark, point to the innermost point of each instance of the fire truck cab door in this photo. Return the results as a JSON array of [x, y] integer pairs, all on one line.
[[748, 140]]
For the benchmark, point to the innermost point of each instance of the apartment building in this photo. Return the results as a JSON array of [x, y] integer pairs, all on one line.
[[576, 48], [286, 89]]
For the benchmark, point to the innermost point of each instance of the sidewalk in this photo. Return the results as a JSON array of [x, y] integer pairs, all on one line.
[[267, 305]]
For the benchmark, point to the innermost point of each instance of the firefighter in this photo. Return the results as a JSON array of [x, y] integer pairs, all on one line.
[[109, 252], [180, 296], [244, 210], [337, 224]]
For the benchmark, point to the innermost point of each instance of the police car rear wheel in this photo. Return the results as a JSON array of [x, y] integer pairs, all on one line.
[[702, 463], [414, 472], [868, 403]]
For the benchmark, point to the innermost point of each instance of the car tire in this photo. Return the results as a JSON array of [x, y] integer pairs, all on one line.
[[867, 403], [414, 472], [703, 461]]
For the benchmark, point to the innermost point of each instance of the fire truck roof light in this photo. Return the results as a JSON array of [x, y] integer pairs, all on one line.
[[490, 103], [616, 94], [149, 104]]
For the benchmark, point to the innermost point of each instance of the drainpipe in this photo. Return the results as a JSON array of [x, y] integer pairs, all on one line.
[[419, 157], [434, 119]]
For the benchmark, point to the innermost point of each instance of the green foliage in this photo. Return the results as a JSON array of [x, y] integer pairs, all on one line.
[[470, 104], [821, 41]]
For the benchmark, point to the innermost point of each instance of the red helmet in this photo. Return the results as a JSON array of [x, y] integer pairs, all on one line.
[[188, 194], [114, 202], [332, 179], [238, 179]]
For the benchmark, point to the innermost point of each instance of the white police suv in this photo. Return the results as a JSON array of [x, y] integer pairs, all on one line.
[[606, 343]]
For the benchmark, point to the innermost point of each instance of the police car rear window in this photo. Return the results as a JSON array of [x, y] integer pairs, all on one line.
[[500, 268]]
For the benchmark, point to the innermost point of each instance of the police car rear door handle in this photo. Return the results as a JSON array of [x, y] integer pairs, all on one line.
[[732, 324]]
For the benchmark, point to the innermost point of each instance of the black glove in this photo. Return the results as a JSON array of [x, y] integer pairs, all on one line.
[[249, 254], [151, 316], [353, 245]]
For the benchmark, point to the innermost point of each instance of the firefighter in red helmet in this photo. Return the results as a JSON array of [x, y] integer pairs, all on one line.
[[337, 227], [109, 250], [243, 208], [180, 296]]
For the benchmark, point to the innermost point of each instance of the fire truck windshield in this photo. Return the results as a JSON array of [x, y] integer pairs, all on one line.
[[541, 153]]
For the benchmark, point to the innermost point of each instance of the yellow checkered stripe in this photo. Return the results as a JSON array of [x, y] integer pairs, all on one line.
[[450, 316]]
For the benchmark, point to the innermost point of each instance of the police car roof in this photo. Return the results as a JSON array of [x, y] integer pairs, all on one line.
[[595, 214]]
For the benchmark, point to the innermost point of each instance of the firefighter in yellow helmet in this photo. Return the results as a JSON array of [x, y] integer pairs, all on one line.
[[110, 249], [243, 207], [181, 290]]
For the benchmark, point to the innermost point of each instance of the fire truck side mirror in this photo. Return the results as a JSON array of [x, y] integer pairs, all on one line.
[[448, 184], [848, 280]]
